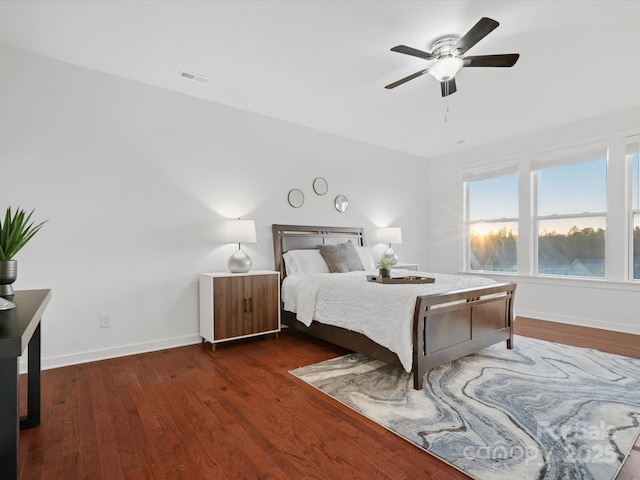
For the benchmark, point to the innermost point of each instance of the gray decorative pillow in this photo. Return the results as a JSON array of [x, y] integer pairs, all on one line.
[[342, 257]]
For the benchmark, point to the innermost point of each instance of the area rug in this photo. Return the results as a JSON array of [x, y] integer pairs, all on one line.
[[539, 411]]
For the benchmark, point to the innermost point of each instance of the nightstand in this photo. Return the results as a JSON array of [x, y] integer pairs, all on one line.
[[239, 305], [406, 266]]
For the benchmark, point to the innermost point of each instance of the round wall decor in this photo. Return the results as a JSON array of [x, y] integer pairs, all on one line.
[[320, 186], [295, 198], [341, 203]]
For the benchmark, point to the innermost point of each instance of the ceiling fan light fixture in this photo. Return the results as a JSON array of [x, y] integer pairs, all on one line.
[[445, 68], [448, 56]]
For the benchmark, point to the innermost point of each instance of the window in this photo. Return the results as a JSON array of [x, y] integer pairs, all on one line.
[[571, 216], [634, 169], [492, 223]]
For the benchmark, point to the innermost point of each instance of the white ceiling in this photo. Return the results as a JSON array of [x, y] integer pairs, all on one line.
[[324, 64]]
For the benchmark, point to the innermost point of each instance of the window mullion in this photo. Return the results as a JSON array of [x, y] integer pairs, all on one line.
[[493, 220], [533, 215], [617, 243], [632, 171], [573, 215]]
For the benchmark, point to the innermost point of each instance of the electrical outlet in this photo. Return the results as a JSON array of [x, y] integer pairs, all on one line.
[[105, 320]]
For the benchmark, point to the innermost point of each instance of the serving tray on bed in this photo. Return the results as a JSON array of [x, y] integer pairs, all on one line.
[[397, 280]]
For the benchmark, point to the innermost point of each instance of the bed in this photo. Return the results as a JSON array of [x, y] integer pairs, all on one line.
[[445, 326]]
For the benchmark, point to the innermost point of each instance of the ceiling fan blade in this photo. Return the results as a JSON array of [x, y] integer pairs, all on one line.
[[448, 87], [480, 30], [504, 60], [413, 51], [406, 79]]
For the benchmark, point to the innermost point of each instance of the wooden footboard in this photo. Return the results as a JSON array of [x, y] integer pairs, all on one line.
[[452, 325], [446, 327]]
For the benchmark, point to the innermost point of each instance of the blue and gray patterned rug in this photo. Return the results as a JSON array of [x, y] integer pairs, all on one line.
[[540, 411]]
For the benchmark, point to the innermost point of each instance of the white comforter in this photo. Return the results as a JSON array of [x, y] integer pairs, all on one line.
[[384, 313]]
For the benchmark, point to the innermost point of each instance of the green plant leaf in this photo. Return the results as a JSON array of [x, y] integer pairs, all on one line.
[[15, 232]]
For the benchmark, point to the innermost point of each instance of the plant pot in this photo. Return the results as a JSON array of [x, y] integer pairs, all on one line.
[[8, 275], [384, 273]]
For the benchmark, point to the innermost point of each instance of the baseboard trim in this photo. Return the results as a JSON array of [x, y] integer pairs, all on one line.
[[107, 353], [579, 321]]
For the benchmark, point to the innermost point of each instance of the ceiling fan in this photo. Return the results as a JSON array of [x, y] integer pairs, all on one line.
[[448, 57]]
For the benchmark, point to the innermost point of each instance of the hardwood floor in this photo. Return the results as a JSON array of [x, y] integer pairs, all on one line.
[[190, 413]]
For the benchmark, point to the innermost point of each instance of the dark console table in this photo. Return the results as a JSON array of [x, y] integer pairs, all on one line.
[[19, 327]]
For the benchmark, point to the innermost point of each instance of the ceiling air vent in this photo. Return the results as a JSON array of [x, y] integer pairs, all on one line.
[[194, 76]]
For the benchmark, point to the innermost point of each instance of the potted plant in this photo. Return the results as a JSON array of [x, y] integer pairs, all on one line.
[[384, 268], [15, 232]]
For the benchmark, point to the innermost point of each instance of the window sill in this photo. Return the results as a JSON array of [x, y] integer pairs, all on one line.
[[599, 283]]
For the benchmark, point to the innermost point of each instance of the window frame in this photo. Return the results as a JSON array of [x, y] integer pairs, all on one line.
[[619, 219], [632, 211], [562, 158], [476, 174]]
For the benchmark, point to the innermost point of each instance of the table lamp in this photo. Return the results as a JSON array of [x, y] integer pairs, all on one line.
[[239, 231], [390, 235]]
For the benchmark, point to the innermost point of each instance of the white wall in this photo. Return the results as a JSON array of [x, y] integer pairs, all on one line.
[[136, 182], [610, 304]]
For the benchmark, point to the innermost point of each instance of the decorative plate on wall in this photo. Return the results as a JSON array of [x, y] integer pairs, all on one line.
[[320, 186], [341, 203], [295, 198]]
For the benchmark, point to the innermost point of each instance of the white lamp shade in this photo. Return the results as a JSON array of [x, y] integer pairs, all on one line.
[[446, 68], [240, 231], [390, 235]]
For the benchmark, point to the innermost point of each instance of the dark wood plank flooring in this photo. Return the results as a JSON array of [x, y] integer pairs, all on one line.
[[190, 413]]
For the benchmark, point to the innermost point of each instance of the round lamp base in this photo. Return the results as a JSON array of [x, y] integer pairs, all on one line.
[[239, 262], [390, 256]]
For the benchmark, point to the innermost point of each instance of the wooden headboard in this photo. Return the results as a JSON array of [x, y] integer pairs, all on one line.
[[304, 237]]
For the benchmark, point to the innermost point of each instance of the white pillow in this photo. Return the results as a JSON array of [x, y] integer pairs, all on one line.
[[366, 258], [307, 261], [290, 266]]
